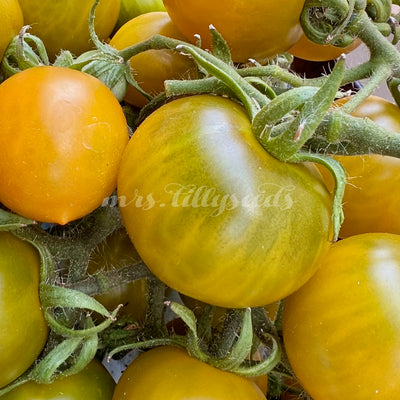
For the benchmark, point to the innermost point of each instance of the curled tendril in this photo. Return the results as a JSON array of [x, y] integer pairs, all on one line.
[[325, 21], [379, 10], [330, 21]]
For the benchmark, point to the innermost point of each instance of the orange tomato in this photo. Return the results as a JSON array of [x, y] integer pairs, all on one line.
[[305, 49], [152, 67], [62, 134], [371, 198], [256, 29]]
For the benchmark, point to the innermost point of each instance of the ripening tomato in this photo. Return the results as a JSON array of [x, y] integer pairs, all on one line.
[[152, 67], [62, 134], [132, 8], [169, 373], [341, 329], [92, 383], [371, 198], [11, 22], [63, 25], [256, 29], [212, 214], [305, 49], [115, 252], [23, 329]]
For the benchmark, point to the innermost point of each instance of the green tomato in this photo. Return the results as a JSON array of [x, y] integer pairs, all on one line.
[[212, 214], [92, 383], [23, 329], [132, 8]]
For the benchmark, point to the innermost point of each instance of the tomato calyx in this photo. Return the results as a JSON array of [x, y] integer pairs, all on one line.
[[235, 343]]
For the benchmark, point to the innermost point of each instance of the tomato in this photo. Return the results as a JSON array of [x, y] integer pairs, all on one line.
[[258, 29], [169, 373], [63, 134], [212, 214], [92, 383], [11, 22], [341, 329], [63, 25], [115, 252], [371, 199], [305, 49], [133, 8], [153, 67], [23, 329]]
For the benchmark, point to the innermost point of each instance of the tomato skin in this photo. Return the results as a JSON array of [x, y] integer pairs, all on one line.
[[345, 319], [305, 49], [22, 324], [115, 252], [92, 383], [189, 184], [370, 202], [11, 21], [63, 25], [169, 373], [132, 8], [152, 67], [62, 156], [252, 29]]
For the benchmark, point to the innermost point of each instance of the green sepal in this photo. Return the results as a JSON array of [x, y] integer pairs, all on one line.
[[24, 51], [285, 140], [242, 347], [220, 48], [86, 354], [251, 98], [192, 338], [148, 344], [278, 108], [9, 221], [263, 367], [45, 370], [339, 176], [58, 296]]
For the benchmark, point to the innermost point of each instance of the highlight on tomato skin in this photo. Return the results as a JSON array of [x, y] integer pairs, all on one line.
[[173, 375], [152, 67], [344, 317], [258, 234], [254, 29], [72, 140], [22, 323]]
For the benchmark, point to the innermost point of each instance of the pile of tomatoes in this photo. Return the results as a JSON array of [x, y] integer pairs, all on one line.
[[209, 218]]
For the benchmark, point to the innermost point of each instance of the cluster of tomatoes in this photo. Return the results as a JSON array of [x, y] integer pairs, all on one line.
[[210, 213]]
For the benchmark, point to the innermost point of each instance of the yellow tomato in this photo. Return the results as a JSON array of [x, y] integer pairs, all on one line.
[[152, 67], [63, 25], [11, 22]]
